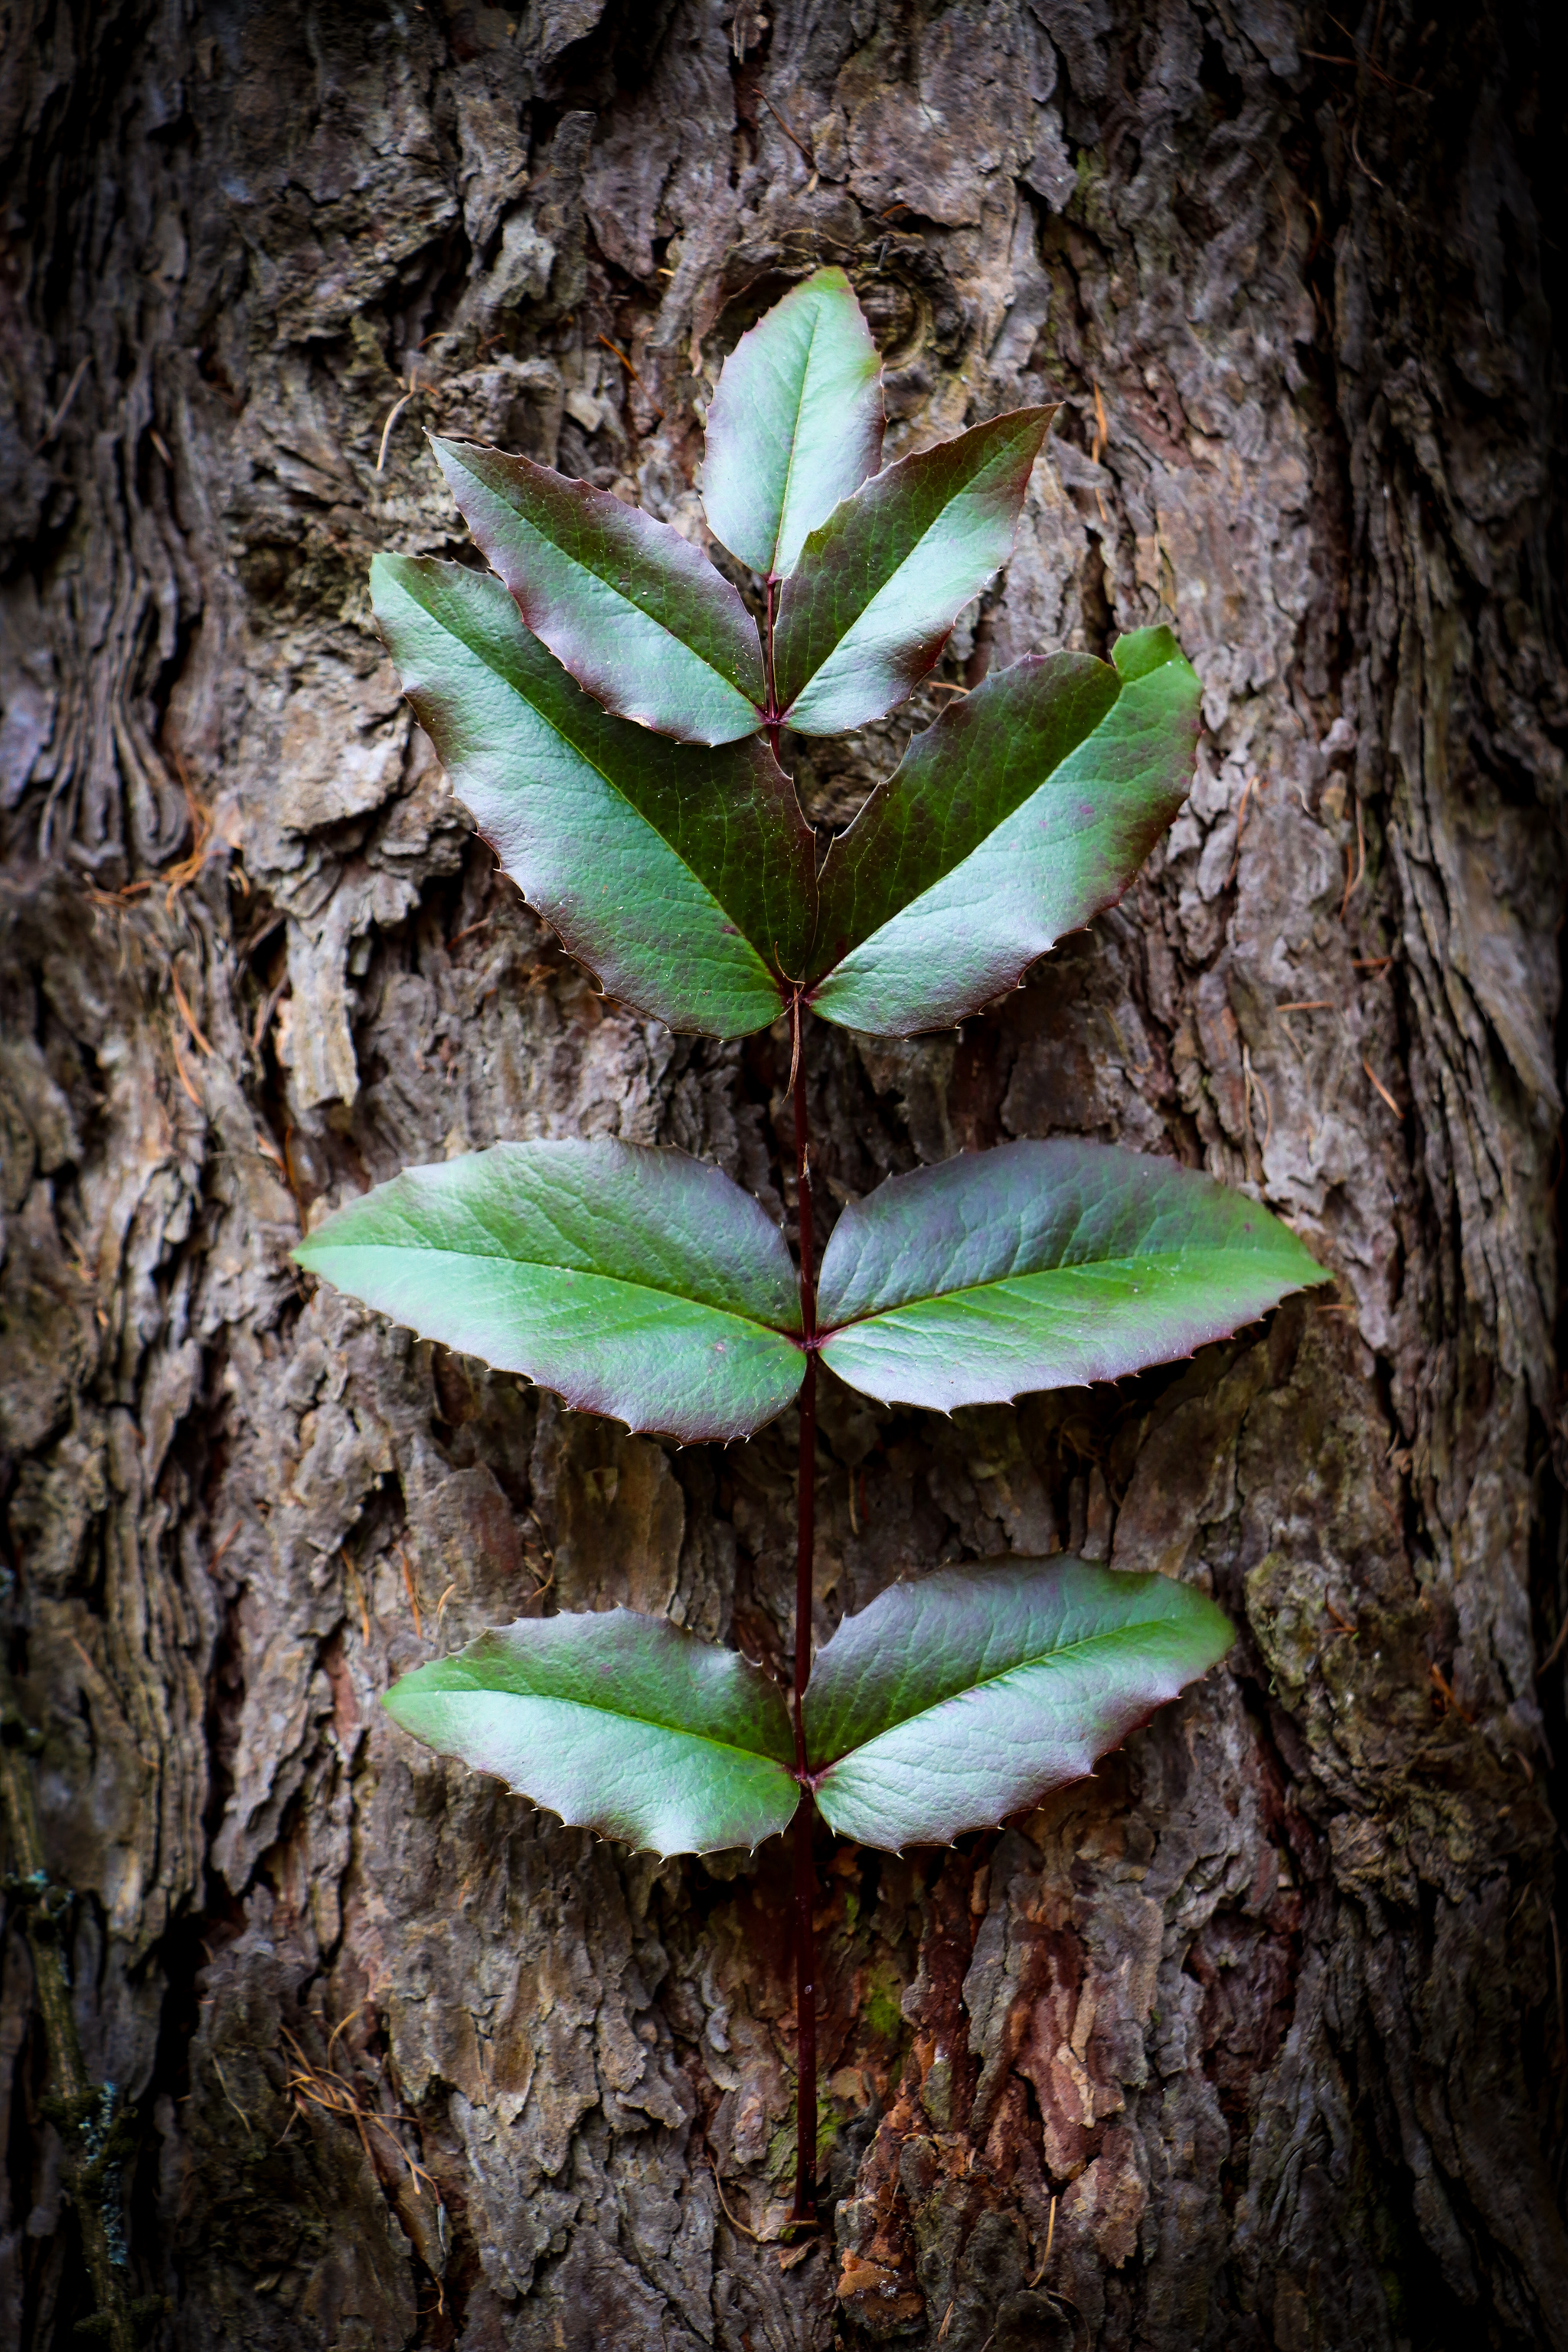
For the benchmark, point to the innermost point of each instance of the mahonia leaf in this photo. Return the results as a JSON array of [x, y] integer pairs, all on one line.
[[1039, 1266], [633, 1282], [637, 616], [879, 586], [794, 425], [959, 1697], [682, 876], [619, 1723], [1020, 814]]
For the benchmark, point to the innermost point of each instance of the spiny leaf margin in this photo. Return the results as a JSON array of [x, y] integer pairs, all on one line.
[[1022, 813], [794, 425], [683, 878], [1043, 1265], [871, 602], [639, 616], [961, 1696], [621, 1724], [634, 1281]]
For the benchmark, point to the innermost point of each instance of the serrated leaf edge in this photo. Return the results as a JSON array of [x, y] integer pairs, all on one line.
[[581, 955], [1064, 1653], [819, 993], [634, 1428], [623, 1715]]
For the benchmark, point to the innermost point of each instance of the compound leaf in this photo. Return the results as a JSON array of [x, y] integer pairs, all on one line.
[[637, 615], [965, 1695], [1039, 1266], [877, 587], [619, 1723], [682, 876], [633, 1282], [794, 425], [1022, 813]]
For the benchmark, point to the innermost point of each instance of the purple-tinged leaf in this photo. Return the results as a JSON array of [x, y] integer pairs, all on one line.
[[959, 1697], [639, 617], [1039, 1266], [794, 425], [685, 878], [1025, 810], [621, 1724], [879, 586], [633, 1282]]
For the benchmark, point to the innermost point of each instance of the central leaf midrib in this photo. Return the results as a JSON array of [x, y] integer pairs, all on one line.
[[793, 443], [674, 850], [952, 860], [586, 1272], [635, 601], [904, 561], [1068, 1651], [622, 1715], [593, 761], [998, 1282]]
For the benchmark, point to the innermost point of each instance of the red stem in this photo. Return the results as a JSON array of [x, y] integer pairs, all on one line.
[[805, 1815], [805, 1540], [772, 718]]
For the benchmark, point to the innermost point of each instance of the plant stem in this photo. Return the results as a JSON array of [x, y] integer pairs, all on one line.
[[771, 717], [805, 1544], [805, 2011]]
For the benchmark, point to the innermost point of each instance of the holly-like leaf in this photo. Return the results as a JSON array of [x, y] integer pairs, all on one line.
[[683, 877], [619, 1723], [794, 425], [868, 606], [1019, 816], [633, 1282], [962, 1697], [1039, 1266], [637, 616]]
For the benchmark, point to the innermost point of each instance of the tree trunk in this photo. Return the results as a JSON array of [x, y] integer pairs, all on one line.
[[1255, 2040]]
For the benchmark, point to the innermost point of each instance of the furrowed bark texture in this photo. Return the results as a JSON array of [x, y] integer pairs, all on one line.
[[1257, 2039]]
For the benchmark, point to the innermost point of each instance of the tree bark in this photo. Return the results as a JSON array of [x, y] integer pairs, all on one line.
[[1257, 2039]]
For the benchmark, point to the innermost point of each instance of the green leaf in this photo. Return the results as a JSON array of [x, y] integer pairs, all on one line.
[[633, 1282], [1040, 1265], [795, 426], [682, 876], [639, 617], [966, 1695], [877, 587], [620, 1724], [1019, 816]]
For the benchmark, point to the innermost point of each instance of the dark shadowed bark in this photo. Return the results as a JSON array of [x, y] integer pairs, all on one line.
[[1256, 2040]]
